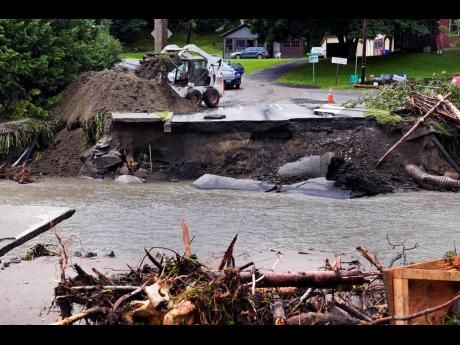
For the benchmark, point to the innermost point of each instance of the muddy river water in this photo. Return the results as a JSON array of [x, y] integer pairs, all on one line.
[[127, 218]]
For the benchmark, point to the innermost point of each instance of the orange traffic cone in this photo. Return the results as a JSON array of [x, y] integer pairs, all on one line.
[[330, 96]]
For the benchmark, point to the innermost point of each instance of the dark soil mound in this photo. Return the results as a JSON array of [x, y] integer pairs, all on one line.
[[62, 158], [155, 68], [114, 90]]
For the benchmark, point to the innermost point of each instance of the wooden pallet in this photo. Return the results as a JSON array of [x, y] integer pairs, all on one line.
[[416, 287]]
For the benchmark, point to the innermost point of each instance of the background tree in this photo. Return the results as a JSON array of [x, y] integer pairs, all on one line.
[[40, 57], [128, 30]]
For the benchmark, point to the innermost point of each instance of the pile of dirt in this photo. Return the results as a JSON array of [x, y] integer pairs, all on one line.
[[117, 90], [155, 68], [62, 157]]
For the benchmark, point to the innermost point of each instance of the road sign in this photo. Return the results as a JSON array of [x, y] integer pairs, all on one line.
[[340, 61], [169, 33], [313, 59]]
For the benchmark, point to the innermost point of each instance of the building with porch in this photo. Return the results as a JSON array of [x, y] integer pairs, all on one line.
[[241, 37]]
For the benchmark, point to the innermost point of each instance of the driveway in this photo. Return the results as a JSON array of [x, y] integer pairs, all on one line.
[[260, 88]]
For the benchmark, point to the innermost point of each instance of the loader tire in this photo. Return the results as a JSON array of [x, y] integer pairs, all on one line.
[[211, 98], [195, 97]]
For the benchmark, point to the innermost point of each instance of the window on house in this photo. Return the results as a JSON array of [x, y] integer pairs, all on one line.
[[286, 44], [228, 45], [454, 27], [240, 44], [295, 43]]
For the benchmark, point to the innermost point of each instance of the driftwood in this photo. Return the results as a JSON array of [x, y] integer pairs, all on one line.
[[333, 317], [419, 121], [446, 155], [185, 236], [353, 311], [317, 279], [372, 259], [82, 315], [279, 316], [228, 256]]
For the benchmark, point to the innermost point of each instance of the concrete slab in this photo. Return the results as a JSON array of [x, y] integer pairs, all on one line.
[[22, 223], [140, 117]]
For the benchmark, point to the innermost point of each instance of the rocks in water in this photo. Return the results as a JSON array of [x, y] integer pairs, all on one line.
[[129, 179], [77, 254], [110, 255], [316, 186], [124, 170], [308, 166], [141, 173], [348, 176], [90, 255], [209, 181], [109, 160]]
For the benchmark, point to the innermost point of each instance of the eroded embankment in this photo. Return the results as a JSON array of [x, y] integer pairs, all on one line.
[[254, 150]]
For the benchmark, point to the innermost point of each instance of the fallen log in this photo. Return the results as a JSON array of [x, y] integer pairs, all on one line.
[[82, 315], [333, 317], [317, 279], [279, 317], [371, 258], [419, 121]]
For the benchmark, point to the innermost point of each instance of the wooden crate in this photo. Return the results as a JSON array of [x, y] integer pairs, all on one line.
[[416, 287]]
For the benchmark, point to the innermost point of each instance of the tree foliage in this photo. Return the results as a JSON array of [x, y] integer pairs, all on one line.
[[39, 57], [127, 30], [348, 31]]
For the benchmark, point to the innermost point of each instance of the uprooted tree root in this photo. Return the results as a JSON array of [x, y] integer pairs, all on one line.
[[20, 174]]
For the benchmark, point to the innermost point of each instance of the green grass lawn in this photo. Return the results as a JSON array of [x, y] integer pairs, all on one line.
[[131, 56], [210, 43], [415, 65], [253, 65]]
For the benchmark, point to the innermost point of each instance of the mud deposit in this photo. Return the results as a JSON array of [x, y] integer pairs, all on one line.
[[116, 90]]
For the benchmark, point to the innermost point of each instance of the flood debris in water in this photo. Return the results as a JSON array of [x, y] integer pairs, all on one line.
[[178, 289], [20, 174]]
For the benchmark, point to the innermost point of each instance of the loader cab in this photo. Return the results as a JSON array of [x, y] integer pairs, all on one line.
[[194, 71]]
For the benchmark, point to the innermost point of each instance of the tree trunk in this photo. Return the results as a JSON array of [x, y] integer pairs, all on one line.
[[317, 279]]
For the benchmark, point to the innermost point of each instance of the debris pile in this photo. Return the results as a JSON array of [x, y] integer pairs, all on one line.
[[181, 290], [20, 174], [418, 103]]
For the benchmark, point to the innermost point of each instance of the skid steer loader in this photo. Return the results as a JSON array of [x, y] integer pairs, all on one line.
[[198, 76]]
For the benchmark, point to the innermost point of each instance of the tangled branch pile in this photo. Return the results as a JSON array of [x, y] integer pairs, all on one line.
[[181, 290], [20, 174]]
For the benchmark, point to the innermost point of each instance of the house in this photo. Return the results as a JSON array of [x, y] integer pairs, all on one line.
[[241, 37], [454, 29], [374, 47]]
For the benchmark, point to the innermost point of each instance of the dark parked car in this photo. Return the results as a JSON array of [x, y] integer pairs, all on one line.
[[234, 81], [251, 52]]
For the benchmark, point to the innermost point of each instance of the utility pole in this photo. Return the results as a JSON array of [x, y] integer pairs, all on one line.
[[160, 34], [363, 58]]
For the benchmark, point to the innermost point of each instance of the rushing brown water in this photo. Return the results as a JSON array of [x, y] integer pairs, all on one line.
[[127, 218]]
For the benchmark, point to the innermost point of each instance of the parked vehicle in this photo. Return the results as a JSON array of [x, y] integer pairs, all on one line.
[[251, 52], [234, 69]]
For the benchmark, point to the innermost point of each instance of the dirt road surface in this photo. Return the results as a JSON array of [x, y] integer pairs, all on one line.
[[260, 88]]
